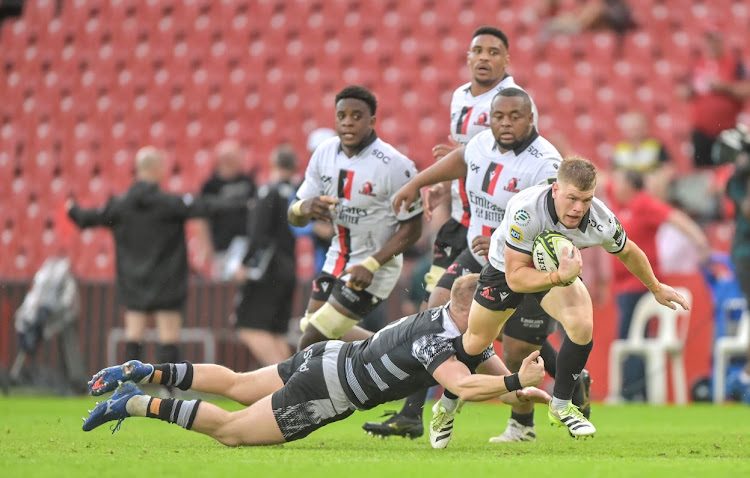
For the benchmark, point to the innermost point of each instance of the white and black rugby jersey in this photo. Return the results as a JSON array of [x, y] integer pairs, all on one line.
[[364, 218], [494, 177], [533, 210], [399, 359], [470, 115]]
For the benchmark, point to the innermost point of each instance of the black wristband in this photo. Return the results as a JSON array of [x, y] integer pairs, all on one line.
[[512, 382]]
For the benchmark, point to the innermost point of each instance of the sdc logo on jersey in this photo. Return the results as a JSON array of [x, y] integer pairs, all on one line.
[[381, 156]]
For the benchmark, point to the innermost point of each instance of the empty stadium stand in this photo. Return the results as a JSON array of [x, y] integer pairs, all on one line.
[[85, 86]]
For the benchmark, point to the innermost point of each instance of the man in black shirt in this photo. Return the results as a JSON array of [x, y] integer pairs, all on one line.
[[229, 182], [323, 383], [152, 267], [268, 271]]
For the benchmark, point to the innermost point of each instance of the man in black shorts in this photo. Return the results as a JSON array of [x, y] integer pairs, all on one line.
[[323, 383], [268, 271]]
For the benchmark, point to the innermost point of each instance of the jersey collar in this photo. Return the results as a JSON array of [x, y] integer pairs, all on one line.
[[468, 88], [364, 144], [553, 214], [522, 147]]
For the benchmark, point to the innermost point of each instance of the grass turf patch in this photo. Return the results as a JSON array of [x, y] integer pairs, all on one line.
[[42, 437]]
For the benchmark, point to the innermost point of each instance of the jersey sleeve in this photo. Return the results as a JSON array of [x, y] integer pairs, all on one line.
[[312, 186], [432, 351], [400, 174], [520, 227], [614, 238]]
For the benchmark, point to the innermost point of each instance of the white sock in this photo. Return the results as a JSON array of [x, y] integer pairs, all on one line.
[[449, 404], [559, 404], [137, 405]]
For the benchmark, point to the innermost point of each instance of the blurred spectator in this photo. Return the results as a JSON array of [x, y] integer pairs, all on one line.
[[715, 90], [592, 15], [642, 215], [639, 151], [268, 272], [222, 229], [737, 190], [151, 254]]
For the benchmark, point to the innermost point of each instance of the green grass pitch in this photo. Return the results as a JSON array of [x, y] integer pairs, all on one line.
[[42, 437]]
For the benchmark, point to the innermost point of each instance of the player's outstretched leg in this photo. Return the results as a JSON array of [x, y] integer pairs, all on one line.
[[114, 408], [255, 425], [107, 379], [405, 423], [178, 375]]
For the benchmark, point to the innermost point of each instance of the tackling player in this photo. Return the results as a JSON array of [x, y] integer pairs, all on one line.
[[323, 383]]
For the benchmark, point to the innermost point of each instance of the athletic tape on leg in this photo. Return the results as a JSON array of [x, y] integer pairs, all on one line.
[[331, 323]]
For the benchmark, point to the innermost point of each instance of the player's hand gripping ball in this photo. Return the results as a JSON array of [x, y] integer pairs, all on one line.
[[548, 249]]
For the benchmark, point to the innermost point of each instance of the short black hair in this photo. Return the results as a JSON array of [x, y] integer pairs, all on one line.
[[513, 92], [495, 32], [359, 93]]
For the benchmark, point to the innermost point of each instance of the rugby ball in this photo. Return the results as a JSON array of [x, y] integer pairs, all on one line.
[[548, 248]]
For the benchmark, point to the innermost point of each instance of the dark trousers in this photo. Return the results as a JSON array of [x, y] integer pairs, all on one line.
[[634, 374]]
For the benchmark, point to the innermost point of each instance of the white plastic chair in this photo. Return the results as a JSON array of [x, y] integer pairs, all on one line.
[[730, 345], [669, 342]]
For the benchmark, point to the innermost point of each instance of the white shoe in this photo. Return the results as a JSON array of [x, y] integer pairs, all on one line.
[[515, 432], [441, 426], [571, 417]]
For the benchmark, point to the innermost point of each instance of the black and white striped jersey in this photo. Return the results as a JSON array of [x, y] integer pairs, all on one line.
[[399, 359]]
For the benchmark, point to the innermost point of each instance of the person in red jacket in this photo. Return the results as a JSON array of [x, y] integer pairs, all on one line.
[[641, 215]]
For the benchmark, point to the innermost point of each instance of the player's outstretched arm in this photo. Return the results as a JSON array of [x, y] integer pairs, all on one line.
[[456, 377], [302, 211], [637, 263], [452, 166]]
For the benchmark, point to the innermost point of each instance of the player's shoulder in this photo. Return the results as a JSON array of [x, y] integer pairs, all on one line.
[[529, 196], [388, 154], [485, 140], [461, 91], [328, 148], [601, 214], [507, 82]]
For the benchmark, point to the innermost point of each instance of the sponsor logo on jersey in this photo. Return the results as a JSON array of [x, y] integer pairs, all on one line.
[[346, 178], [326, 179], [381, 156], [367, 189], [619, 234], [491, 177], [512, 185], [521, 217], [504, 295], [596, 225], [516, 234], [474, 167]]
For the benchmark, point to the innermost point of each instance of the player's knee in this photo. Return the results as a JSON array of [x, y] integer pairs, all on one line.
[[579, 330], [331, 323]]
